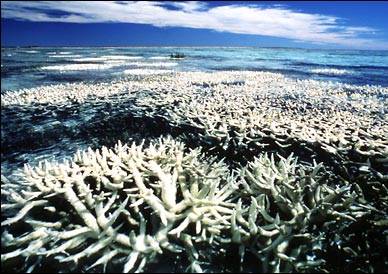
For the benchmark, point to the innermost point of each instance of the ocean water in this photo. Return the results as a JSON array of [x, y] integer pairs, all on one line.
[[31, 67]]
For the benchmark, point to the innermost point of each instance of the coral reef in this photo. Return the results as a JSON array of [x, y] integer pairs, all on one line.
[[96, 204], [132, 203], [261, 173]]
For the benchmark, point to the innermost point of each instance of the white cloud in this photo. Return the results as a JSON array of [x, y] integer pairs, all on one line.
[[275, 21], [188, 6]]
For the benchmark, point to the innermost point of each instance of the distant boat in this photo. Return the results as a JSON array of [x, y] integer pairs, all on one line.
[[177, 55]]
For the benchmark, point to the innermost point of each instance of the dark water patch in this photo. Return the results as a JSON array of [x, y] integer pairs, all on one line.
[[69, 61], [319, 65], [205, 57], [272, 59], [73, 77], [9, 60], [17, 70], [358, 53], [8, 71], [366, 79], [61, 78]]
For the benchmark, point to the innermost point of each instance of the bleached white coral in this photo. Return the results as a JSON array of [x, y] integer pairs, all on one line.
[[97, 203], [125, 206], [287, 200], [129, 204]]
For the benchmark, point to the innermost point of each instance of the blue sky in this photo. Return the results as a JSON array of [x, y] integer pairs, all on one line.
[[359, 25]]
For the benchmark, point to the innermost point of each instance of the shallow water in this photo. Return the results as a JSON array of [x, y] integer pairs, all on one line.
[[31, 67]]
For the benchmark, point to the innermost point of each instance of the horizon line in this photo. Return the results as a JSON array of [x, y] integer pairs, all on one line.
[[177, 46]]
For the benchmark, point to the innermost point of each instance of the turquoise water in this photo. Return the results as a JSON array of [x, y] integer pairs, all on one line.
[[31, 67]]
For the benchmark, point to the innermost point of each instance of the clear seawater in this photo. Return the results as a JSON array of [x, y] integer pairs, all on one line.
[[27, 67]]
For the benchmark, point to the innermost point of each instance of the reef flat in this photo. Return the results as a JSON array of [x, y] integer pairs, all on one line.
[[222, 171]]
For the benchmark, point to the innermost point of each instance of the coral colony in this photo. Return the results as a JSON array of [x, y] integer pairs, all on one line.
[[252, 171]]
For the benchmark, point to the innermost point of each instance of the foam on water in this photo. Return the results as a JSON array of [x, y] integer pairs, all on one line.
[[331, 71], [89, 59], [65, 56], [121, 57], [142, 64], [159, 57], [108, 58], [147, 71]]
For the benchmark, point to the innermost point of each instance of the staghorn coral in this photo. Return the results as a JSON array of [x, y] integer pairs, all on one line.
[[240, 114], [265, 109], [124, 207], [241, 111], [291, 205], [96, 204], [287, 214]]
